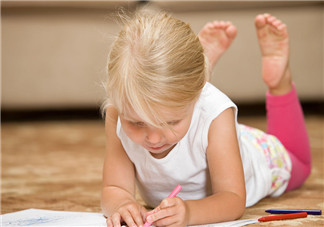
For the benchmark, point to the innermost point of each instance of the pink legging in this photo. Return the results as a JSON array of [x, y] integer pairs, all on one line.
[[285, 120]]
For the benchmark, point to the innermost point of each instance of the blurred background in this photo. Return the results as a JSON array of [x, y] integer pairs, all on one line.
[[53, 53]]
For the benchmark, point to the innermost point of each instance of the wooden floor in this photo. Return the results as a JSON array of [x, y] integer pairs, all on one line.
[[57, 165]]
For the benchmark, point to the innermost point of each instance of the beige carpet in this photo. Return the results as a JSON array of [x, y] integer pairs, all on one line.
[[57, 166]]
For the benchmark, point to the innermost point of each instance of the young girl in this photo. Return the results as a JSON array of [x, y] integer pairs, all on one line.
[[166, 125]]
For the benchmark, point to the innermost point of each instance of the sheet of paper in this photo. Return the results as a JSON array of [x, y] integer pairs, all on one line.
[[38, 217], [236, 223]]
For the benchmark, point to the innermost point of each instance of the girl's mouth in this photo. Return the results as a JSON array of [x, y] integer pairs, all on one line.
[[156, 148]]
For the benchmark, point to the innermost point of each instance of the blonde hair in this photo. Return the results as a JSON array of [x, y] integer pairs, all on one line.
[[156, 61]]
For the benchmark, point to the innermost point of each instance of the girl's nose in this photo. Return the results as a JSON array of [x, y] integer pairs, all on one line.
[[153, 135]]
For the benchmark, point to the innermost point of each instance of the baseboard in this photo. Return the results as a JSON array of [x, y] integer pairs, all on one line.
[[309, 108], [51, 115], [92, 113]]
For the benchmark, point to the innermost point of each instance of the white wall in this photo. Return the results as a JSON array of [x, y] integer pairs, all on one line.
[[54, 55]]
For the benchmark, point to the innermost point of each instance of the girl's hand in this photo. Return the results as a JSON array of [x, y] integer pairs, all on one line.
[[132, 213], [170, 212]]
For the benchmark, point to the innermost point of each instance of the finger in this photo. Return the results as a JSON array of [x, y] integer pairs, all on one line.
[[137, 216], [161, 211], [116, 219], [168, 202], [130, 222], [167, 212], [109, 223], [147, 214], [150, 212], [127, 217], [162, 214], [132, 215], [167, 221]]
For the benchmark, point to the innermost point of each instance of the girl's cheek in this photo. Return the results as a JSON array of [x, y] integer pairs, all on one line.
[[136, 135]]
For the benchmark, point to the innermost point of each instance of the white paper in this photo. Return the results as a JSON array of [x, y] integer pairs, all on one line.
[[236, 223], [38, 217]]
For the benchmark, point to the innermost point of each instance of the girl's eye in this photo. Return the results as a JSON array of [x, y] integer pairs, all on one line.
[[173, 122], [138, 124]]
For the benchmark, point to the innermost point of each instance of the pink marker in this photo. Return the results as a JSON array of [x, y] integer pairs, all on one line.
[[172, 194]]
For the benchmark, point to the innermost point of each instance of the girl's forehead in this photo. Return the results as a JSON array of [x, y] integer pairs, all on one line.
[[168, 114], [130, 114]]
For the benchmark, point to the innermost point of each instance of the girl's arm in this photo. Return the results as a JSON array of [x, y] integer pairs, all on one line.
[[118, 191], [226, 173]]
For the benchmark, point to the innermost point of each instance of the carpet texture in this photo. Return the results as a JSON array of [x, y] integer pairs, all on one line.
[[57, 165]]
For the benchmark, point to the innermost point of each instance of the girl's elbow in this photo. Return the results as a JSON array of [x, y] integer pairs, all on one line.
[[241, 211], [241, 206]]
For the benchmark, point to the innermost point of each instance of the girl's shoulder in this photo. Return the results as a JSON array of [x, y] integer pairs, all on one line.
[[213, 101]]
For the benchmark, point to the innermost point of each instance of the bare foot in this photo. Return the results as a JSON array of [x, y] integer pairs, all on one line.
[[274, 44], [215, 38]]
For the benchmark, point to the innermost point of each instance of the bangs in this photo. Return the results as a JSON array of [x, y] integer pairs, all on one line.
[[135, 95]]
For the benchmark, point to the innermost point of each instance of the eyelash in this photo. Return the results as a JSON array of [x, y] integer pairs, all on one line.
[[142, 124], [139, 124], [173, 122]]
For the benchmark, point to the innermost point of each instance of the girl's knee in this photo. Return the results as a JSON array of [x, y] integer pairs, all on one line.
[[308, 169], [299, 173]]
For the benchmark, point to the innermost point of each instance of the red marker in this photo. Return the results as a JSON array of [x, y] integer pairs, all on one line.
[[283, 216]]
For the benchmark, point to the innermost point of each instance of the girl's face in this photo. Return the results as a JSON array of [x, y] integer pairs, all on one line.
[[158, 141]]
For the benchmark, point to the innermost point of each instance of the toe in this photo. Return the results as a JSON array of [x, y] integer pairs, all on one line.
[[260, 21], [231, 31]]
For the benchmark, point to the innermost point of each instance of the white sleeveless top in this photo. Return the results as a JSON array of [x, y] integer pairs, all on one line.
[[186, 163]]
